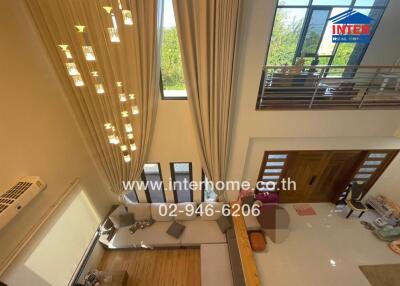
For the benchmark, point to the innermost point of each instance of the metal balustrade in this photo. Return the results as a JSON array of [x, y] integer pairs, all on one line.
[[329, 87]]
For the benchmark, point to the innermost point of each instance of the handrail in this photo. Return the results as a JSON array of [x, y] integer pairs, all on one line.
[[246, 253], [330, 87], [333, 66]]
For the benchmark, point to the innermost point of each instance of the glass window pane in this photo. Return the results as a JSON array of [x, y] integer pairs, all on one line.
[[182, 167], [331, 2], [171, 62], [377, 155], [293, 2], [367, 170], [151, 169], [277, 156], [275, 163], [327, 46], [285, 35], [362, 176], [314, 32], [182, 177], [371, 2], [372, 163], [270, 177], [272, 171], [152, 174]]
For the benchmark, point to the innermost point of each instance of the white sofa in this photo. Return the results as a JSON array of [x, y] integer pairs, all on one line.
[[198, 229]]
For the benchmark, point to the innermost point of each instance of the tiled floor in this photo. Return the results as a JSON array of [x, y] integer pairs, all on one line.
[[324, 249]]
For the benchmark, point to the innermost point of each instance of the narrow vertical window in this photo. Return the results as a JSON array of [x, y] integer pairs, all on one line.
[[152, 178], [172, 81], [182, 177]]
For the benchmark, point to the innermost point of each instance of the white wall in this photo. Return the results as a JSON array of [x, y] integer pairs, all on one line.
[[174, 141], [52, 257], [38, 133], [341, 127]]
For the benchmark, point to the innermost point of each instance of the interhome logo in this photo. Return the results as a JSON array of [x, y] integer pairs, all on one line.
[[351, 27]]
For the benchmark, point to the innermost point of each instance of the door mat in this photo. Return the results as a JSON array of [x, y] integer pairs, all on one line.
[[382, 275], [304, 210]]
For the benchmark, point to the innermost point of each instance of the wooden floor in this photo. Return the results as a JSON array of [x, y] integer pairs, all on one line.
[[170, 267]]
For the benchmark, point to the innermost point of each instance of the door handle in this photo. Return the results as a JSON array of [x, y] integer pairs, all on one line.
[[312, 180]]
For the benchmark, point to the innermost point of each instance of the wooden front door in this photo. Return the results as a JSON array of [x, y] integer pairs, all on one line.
[[303, 168]]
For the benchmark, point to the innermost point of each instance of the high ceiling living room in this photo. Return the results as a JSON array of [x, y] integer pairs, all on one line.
[[200, 142]]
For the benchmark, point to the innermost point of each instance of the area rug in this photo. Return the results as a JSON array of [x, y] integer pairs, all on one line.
[[382, 275], [304, 210]]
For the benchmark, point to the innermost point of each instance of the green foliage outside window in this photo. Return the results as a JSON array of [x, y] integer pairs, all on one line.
[[171, 62]]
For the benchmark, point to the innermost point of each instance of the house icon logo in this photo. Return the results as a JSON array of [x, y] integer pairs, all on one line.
[[351, 27]]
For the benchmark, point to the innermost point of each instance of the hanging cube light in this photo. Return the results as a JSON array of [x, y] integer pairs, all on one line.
[[128, 128], [135, 110], [133, 147], [122, 97], [127, 158], [99, 88], [127, 16], [78, 81], [72, 70], [89, 54]]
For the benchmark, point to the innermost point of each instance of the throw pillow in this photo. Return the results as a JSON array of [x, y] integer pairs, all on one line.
[[114, 216], [126, 220], [249, 200], [176, 229], [224, 223]]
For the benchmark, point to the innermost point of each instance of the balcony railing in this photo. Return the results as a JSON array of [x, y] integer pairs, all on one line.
[[330, 87]]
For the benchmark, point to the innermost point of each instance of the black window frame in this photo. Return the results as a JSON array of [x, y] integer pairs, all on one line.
[[310, 8], [163, 97], [143, 176], [171, 165]]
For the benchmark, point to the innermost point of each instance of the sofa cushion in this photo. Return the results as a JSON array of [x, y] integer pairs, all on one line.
[[155, 236], [216, 206], [200, 231], [141, 211], [126, 219], [183, 214], [157, 213], [224, 223], [176, 229], [114, 216]]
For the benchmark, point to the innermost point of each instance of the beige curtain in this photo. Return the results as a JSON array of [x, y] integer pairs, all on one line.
[[207, 32], [118, 84]]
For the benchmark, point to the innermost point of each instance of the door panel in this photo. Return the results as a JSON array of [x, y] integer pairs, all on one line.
[[304, 169], [336, 174]]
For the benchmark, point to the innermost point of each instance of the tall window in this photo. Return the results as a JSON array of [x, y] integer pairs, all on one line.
[[302, 29], [151, 175], [208, 194], [181, 178], [173, 84]]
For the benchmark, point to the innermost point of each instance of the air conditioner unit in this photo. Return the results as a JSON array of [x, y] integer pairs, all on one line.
[[19, 196]]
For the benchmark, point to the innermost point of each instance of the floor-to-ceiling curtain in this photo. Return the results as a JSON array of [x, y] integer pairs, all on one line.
[[106, 55], [207, 32]]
